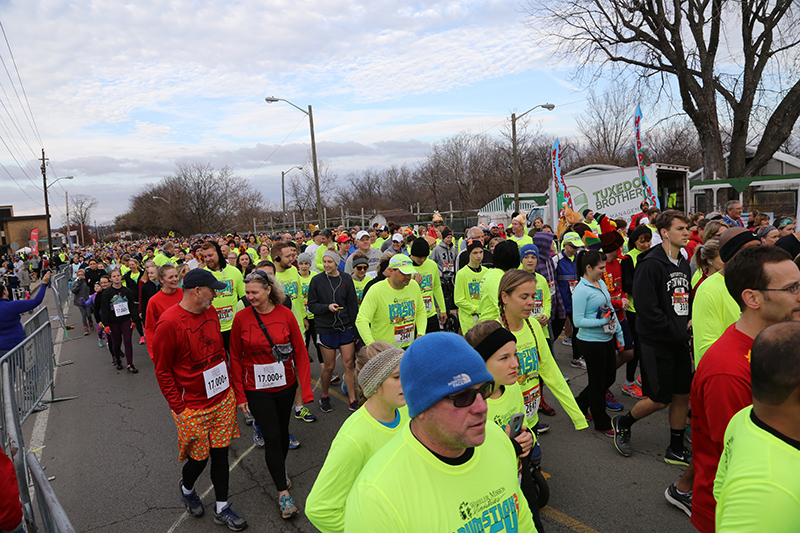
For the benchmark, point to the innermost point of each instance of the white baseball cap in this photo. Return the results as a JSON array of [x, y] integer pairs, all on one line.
[[361, 234]]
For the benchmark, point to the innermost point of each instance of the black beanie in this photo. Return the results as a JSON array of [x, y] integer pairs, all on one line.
[[420, 248], [506, 255]]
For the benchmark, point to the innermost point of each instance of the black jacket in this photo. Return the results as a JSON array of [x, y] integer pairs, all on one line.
[[109, 297], [661, 295], [324, 290], [92, 277]]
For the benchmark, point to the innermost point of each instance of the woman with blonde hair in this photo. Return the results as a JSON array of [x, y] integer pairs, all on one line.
[[363, 433]]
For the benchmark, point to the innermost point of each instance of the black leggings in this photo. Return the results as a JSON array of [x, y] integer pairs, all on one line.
[[272, 411], [531, 492], [601, 367], [630, 366], [219, 472], [311, 337]]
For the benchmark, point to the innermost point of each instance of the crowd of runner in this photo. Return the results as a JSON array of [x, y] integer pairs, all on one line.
[[446, 342]]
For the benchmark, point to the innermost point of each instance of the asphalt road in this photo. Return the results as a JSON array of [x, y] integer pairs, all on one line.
[[113, 453]]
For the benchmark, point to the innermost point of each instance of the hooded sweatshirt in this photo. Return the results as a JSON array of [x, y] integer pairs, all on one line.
[[661, 290]]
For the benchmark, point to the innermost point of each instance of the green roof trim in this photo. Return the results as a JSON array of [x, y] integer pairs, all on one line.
[[740, 184]]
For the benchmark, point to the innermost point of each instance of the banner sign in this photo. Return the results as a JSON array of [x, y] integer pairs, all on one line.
[[647, 188], [35, 239]]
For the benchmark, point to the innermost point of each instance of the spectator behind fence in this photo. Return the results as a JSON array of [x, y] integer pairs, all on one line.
[[11, 331]]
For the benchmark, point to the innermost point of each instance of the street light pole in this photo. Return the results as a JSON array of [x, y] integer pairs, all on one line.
[[515, 155], [283, 189], [310, 114]]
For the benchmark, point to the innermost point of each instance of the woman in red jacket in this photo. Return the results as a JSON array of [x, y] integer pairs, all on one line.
[[265, 341]]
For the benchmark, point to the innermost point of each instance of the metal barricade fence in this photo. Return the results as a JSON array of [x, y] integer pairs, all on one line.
[[54, 517], [60, 286], [33, 323], [12, 441], [31, 370]]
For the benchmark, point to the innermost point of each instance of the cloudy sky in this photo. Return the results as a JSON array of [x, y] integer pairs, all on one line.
[[121, 91]]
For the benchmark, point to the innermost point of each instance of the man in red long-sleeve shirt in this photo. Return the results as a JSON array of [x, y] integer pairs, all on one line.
[[193, 374], [765, 283], [10, 506]]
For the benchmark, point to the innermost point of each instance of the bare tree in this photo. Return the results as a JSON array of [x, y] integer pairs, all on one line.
[[607, 126], [80, 209], [718, 52]]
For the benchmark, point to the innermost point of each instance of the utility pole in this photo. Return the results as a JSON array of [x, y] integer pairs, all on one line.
[[69, 233], [47, 208]]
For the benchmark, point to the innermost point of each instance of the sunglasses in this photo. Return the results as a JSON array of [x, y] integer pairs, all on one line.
[[466, 397], [361, 267]]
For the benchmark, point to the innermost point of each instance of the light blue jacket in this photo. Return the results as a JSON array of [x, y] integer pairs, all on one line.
[[586, 300]]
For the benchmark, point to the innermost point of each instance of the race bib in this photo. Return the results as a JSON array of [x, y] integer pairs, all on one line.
[[225, 314], [572, 284], [403, 334], [121, 308], [538, 308], [532, 398], [610, 328], [216, 380], [448, 267], [270, 376], [552, 286], [475, 318], [680, 303], [428, 301]]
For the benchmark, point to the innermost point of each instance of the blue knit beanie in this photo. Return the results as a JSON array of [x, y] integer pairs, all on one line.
[[529, 249], [438, 364]]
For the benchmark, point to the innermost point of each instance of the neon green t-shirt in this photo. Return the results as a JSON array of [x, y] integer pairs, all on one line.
[[161, 260], [404, 485], [378, 243], [521, 241], [225, 300], [511, 402], [290, 279], [431, 287], [696, 277], [391, 315], [467, 295], [536, 360], [356, 442], [304, 283], [713, 310], [490, 284], [542, 301], [359, 285], [757, 487], [318, 257]]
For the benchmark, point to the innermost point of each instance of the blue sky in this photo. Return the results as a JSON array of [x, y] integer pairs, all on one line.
[[121, 91]]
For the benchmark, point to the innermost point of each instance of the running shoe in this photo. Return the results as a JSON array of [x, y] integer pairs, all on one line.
[[325, 404], [192, 502], [229, 518], [683, 458], [633, 390], [579, 363], [141, 340], [132, 370], [344, 388], [305, 415], [681, 501], [536, 454], [566, 341], [353, 406], [100, 342], [639, 381], [622, 437], [611, 402], [293, 442], [546, 409], [606, 432], [258, 438], [589, 417], [566, 377], [336, 378], [288, 507], [288, 480], [85, 330], [249, 419], [688, 432], [541, 427], [118, 364]]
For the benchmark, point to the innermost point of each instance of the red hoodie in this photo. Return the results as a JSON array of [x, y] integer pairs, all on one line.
[[695, 240]]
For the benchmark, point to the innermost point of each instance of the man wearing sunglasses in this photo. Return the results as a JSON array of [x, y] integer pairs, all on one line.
[[373, 255], [765, 283], [448, 470]]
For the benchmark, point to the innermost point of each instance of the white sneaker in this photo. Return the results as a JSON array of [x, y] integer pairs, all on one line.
[[579, 363], [566, 341]]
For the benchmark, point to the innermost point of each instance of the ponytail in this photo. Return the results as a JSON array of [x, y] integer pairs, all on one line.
[[589, 258]]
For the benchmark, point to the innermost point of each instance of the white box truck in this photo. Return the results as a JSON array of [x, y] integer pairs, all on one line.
[[617, 192]]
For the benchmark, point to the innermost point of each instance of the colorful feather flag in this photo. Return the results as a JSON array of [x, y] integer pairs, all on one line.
[[649, 193]]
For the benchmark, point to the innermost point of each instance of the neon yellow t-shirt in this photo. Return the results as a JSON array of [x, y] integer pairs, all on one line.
[[511, 402], [467, 295], [290, 279], [318, 257], [490, 284], [713, 310], [356, 442], [431, 287], [696, 277], [161, 260], [535, 359], [542, 301], [304, 283], [391, 315], [521, 241], [359, 285], [404, 485], [757, 487], [225, 300], [378, 243]]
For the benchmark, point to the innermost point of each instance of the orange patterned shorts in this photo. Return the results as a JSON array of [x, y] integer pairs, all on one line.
[[201, 429]]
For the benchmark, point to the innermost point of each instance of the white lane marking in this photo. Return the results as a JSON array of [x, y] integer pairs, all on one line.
[[40, 424], [208, 490]]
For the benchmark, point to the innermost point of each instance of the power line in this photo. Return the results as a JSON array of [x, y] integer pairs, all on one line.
[[31, 120], [275, 150], [18, 185]]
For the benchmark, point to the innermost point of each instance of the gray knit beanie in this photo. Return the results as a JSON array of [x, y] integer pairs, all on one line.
[[378, 369]]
